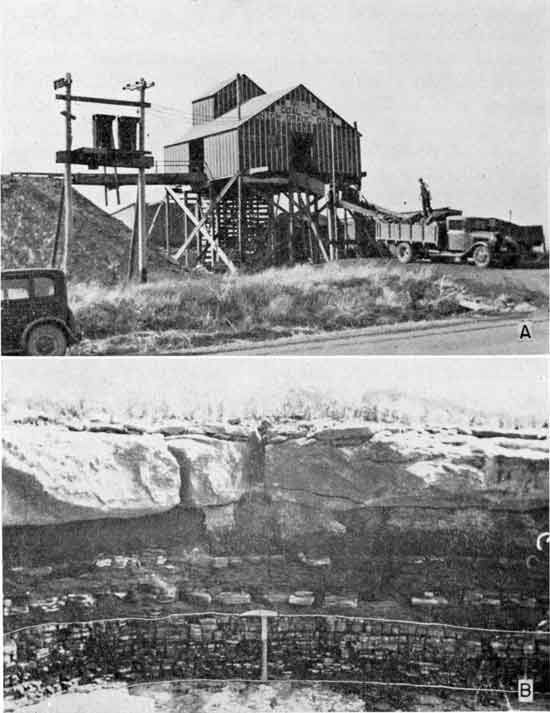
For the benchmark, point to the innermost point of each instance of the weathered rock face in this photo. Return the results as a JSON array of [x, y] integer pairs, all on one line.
[[427, 481], [51, 475], [390, 468], [300, 478], [213, 472]]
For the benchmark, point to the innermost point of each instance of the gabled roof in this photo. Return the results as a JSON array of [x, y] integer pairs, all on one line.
[[230, 120], [215, 89], [221, 85]]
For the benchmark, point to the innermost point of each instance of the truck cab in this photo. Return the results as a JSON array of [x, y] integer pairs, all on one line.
[[36, 318], [481, 239]]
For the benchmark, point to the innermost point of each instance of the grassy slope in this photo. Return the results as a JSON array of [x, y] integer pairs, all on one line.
[[279, 301]]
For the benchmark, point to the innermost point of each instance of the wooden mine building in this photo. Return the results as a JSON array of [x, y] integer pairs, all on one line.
[[269, 170]]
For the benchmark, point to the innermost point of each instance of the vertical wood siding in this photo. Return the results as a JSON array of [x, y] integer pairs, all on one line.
[[226, 98], [176, 158], [221, 155], [265, 140], [203, 110]]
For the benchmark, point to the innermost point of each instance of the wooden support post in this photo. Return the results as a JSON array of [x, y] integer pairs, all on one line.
[[153, 222], [264, 647], [200, 228], [330, 222], [314, 228], [272, 225], [333, 219], [185, 231], [309, 234], [210, 220], [133, 247], [240, 216], [346, 232], [198, 217], [167, 222], [291, 226]]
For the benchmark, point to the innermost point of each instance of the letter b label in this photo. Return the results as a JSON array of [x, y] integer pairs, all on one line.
[[525, 690]]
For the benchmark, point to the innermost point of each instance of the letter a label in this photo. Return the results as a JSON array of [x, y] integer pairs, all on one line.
[[525, 690], [525, 332]]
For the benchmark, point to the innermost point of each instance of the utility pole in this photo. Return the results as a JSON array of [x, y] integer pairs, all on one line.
[[67, 198], [141, 86]]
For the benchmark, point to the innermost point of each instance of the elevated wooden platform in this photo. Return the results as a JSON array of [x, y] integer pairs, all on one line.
[[112, 181], [93, 158]]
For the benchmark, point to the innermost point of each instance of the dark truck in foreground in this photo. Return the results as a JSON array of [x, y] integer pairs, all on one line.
[[36, 318], [448, 234]]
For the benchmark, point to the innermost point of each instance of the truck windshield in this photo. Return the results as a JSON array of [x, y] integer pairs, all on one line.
[[456, 225], [478, 224]]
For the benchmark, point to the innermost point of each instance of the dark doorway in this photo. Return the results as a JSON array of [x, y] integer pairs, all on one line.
[[196, 155], [300, 151]]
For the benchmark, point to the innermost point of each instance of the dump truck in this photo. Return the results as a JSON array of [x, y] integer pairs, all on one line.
[[447, 234]]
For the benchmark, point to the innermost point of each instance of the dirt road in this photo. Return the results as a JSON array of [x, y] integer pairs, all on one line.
[[447, 337]]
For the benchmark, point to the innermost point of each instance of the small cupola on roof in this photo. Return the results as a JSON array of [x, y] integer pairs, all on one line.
[[224, 97]]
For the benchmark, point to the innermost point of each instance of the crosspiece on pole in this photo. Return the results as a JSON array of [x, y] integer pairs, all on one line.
[[102, 100], [200, 225]]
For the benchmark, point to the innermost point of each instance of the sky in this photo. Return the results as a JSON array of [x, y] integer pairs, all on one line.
[[451, 91], [489, 385]]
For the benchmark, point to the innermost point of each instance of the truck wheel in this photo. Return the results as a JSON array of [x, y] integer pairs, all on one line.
[[404, 253], [482, 256], [46, 340]]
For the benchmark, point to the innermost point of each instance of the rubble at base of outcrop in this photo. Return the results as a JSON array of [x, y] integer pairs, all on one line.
[[305, 474]]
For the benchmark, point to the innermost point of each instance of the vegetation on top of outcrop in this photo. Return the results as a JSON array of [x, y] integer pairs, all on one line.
[[293, 405]]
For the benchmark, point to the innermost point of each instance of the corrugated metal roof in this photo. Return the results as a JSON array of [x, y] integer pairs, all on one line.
[[230, 120]]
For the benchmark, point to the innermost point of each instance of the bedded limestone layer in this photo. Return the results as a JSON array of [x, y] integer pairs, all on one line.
[[308, 474], [51, 475]]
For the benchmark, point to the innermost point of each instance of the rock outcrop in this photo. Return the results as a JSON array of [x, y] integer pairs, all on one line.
[[52, 475], [427, 480], [212, 471], [303, 476]]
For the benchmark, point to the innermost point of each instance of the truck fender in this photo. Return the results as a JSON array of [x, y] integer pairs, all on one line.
[[468, 253], [44, 320]]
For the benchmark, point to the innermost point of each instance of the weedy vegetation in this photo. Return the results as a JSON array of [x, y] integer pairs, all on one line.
[[198, 310]]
